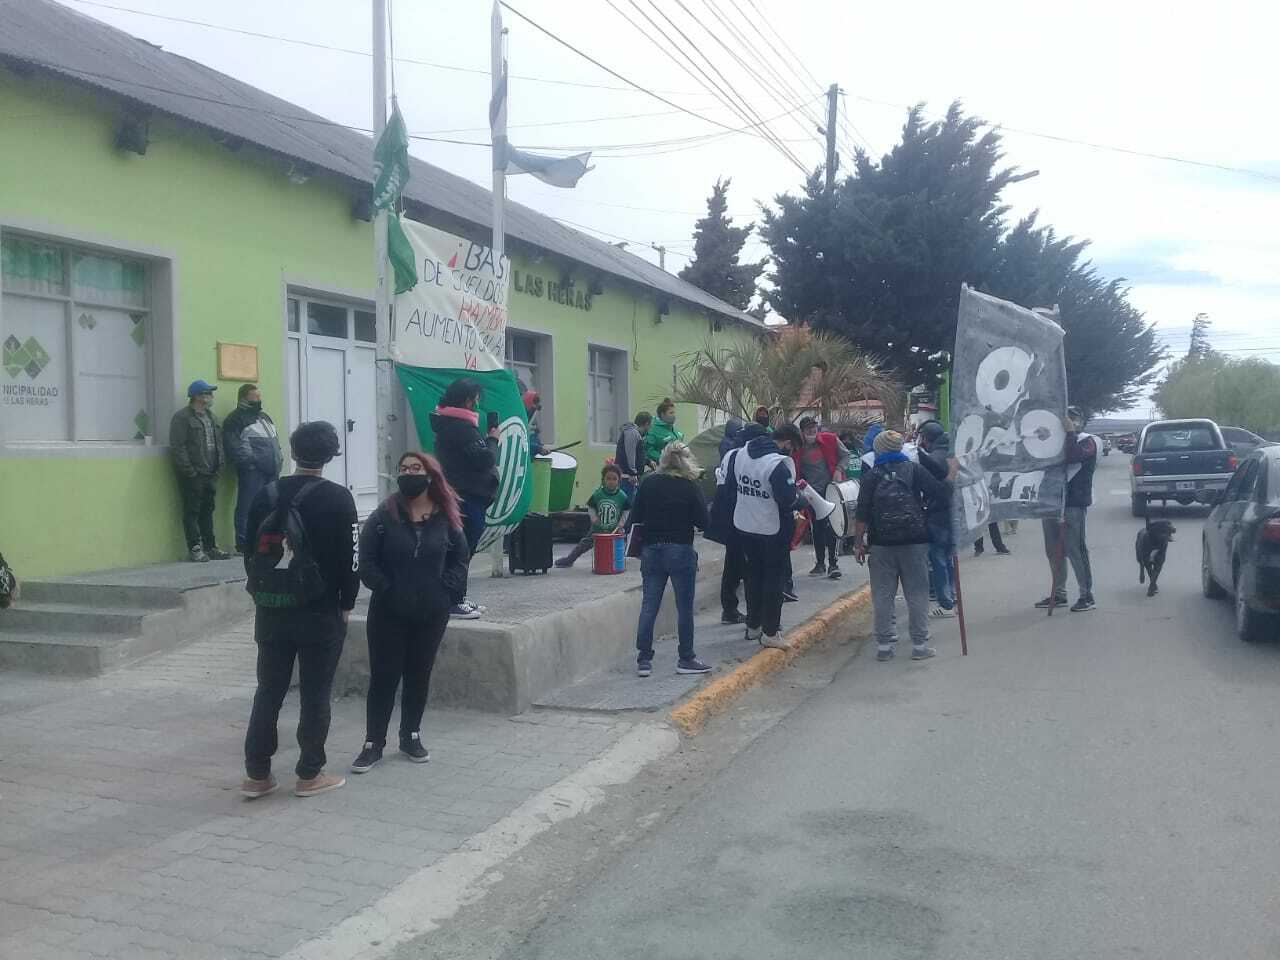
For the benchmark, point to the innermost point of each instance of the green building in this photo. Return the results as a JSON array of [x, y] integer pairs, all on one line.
[[158, 219]]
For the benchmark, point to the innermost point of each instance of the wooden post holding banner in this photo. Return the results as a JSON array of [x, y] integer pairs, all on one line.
[[1059, 559], [964, 635]]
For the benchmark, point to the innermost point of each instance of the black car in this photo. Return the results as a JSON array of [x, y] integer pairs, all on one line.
[[1241, 545], [1242, 441]]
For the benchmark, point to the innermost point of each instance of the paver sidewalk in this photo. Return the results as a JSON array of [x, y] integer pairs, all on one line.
[[123, 834]]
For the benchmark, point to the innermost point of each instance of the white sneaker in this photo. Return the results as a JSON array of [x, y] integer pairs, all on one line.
[[942, 613], [775, 641]]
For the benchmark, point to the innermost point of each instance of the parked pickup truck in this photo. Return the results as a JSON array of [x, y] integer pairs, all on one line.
[[1182, 460]]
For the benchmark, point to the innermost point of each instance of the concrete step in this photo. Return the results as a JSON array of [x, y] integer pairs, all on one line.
[[65, 655], [100, 594], [61, 619]]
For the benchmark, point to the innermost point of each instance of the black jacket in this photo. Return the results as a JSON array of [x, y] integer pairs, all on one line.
[[1082, 451], [329, 517], [669, 507], [251, 443], [469, 459], [414, 570], [923, 485], [188, 445]]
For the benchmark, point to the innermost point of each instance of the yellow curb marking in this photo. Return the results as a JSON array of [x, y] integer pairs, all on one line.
[[715, 696]]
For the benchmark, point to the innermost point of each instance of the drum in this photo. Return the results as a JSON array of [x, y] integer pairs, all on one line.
[[541, 485], [845, 496], [564, 469]]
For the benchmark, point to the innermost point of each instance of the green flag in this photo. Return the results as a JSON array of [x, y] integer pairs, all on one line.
[[400, 253], [390, 162]]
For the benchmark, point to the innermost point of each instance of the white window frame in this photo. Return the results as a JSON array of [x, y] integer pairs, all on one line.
[[621, 392], [543, 379], [162, 369]]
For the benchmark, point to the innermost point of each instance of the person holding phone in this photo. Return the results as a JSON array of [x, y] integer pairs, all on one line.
[[470, 462]]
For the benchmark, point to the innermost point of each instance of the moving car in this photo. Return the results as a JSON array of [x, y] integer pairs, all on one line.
[[1127, 442], [1182, 460], [1242, 441], [1241, 545]]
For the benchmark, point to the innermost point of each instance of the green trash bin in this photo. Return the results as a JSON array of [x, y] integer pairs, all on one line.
[[541, 485]]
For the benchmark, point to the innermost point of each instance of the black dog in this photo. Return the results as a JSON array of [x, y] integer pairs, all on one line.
[[1153, 543]]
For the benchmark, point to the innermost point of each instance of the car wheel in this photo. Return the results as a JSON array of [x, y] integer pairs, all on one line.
[[1207, 584], [1251, 626], [1139, 505]]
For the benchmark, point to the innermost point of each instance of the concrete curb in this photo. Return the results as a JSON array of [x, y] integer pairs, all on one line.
[[690, 716]]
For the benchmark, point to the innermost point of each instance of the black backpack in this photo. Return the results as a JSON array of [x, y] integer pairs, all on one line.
[[896, 511], [283, 573], [8, 584]]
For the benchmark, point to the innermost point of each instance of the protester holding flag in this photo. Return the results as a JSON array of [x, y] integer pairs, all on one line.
[[470, 462], [663, 431]]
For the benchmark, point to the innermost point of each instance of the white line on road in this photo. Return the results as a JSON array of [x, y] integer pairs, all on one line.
[[435, 893]]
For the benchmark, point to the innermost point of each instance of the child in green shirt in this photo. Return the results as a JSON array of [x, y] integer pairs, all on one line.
[[608, 508]]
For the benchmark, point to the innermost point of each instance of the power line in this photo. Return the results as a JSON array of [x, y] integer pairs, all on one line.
[[560, 123], [316, 45]]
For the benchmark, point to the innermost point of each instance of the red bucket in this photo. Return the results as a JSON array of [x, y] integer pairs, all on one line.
[[610, 554]]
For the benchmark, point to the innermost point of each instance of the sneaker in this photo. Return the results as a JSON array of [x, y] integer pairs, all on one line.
[[1058, 601], [819, 570], [789, 597], [941, 613], [732, 618], [413, 748], [923, 653], [252, 789], [775, 641], [884, 654], [835, 573], [1082, 605], [216, 554], [368, 758], [644, 668], [754, 633], [198, 555], [320, 783], [692, 665], [564, 563], [464, 611], [1004, 553]]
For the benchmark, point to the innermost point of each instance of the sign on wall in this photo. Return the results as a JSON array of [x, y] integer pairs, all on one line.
[[1008, 398]]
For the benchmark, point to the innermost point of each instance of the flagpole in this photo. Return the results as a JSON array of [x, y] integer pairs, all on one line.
[[498, 139], [384, 404]]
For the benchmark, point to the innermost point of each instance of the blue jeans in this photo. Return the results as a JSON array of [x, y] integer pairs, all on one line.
[[940, 576], [473, 521], [679, 561]]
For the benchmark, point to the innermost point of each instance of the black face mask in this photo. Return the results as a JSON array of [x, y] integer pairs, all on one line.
[[255, 406], [413, 484]]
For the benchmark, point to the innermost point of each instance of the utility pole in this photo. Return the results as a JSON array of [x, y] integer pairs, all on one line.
[[833, 93], [662, 255], [384, 403]]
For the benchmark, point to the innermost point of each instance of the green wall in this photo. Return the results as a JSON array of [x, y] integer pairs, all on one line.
[[237, 231]]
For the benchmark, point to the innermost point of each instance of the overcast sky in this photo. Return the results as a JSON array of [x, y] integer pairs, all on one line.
[[1140, 76]]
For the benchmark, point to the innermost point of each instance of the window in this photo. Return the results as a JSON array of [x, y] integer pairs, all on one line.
[[76, 327], [366, 326], [529, 357], [326, 320], [1180, 438], [606, 393], [522, 359]]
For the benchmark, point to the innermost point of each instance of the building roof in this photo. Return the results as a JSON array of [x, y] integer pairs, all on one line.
[[51, 37]]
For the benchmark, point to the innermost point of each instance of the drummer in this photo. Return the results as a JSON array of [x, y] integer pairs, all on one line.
[[821, 463]]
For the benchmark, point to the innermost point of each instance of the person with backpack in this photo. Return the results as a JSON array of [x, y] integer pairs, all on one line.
[[302, 575], [629, 453], [470, 462], [763, 498], [891, 521], [413, 558]]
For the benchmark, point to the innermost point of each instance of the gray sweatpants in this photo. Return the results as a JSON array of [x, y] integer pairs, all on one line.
[[909, 565], [1077, 551]]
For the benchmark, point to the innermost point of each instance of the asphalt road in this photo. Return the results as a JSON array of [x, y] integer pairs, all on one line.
[[1101, 784]]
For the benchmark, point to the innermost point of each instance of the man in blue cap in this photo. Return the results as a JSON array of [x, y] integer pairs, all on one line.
[[195, 444]]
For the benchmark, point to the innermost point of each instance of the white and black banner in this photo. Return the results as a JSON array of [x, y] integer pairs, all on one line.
[[1008, 399]]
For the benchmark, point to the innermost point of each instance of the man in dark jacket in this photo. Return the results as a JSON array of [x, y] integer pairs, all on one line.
[[1081, 450], [253, 448], [312, 635], [934, 449], [629, 454], [196, 449], [470, 462], [891, 518]]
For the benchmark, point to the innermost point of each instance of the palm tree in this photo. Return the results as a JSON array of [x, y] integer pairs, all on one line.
[[796, 371]]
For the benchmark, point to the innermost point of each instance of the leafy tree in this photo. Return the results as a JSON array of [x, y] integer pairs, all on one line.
[[1200, 347], [1238, 393], [881, 261], [1111, 351], [717, 247], [798, 370]]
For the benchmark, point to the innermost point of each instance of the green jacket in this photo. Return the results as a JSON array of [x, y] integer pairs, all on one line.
[[195, 443], [659, 435]]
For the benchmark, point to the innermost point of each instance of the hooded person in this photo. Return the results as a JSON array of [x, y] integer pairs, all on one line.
[[934, 449], [761, 416], [732, 432], [868, 445], [629, 455]]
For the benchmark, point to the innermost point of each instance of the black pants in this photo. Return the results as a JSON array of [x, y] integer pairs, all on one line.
[[197, 509], [314, 639], [825, 542], [400, 649], [766, 573], [997, 541], [734, 573]]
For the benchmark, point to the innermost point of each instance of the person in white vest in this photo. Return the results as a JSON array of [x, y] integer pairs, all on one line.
[[760, 488]]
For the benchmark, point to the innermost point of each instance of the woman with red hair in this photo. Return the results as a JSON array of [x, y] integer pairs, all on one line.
[[413, 558]]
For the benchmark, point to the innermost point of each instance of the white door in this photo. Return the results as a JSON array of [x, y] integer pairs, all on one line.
[[326, 399], [362, 428]]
